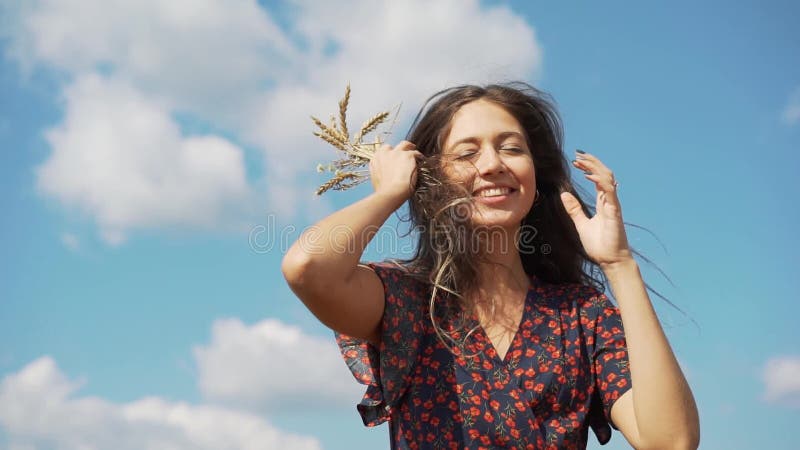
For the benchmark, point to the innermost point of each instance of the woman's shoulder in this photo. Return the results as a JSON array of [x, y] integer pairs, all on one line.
[[392, 267], [400, 277], [584, 298]]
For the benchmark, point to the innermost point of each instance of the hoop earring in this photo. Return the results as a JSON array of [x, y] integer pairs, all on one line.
[[536, 198]]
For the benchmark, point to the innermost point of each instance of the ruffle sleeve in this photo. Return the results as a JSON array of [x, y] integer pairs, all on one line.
[[386, 370], [610, 368]]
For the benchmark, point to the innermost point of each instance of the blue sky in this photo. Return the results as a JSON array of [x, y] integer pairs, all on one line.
[[154, 153]]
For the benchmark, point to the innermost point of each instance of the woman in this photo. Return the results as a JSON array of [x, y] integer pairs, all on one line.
[[496, 333]]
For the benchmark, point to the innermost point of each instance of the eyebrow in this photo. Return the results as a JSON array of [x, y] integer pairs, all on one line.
[[499, 137]]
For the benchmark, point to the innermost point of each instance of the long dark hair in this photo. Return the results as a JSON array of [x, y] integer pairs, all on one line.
[[549, 243]]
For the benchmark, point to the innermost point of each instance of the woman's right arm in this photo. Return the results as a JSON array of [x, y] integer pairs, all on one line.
[[322, 267]]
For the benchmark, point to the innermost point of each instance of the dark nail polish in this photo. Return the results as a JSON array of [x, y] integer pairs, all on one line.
[[580, 151]]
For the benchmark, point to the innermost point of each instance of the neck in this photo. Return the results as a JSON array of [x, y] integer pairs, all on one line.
[[501, 290], [503, 267]]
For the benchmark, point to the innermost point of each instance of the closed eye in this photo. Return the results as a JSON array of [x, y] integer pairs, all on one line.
[[471, 154], [466, 155]]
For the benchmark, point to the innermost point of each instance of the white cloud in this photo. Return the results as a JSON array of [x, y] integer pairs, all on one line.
[[791, 112], [782, 381], [389, 52], [39, 409], [230, 64], [270, 365], [119, 157], [199, 54]]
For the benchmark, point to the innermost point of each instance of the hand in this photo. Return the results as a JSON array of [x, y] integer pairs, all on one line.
[[393, 171], [603, 236]]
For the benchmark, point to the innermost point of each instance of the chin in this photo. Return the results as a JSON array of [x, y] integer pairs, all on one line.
[[497, 220]]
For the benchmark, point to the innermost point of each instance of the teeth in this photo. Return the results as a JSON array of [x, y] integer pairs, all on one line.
[[493, 192]]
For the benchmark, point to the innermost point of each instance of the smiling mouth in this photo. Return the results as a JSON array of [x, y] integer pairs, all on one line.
[[492, 192]]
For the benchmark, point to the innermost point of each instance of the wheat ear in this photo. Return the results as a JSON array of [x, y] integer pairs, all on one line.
[[336, 181], [332, 133], [343, 103], [370, 125]]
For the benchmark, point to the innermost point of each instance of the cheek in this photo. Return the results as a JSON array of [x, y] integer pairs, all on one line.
[[526, 174], [532, 173]]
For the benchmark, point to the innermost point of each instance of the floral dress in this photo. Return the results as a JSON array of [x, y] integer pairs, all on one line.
[[564, 369]]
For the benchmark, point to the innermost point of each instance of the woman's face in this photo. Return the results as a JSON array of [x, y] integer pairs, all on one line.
[[486, 152]]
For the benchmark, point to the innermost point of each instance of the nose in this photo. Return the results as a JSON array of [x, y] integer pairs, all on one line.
[[490, 162]]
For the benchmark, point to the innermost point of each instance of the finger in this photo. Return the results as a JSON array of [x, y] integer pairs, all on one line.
[[592, 166], [406, 145], [384, 148], [602, 182], [585, 155], [573, 208], [589, 158], [595, 167]]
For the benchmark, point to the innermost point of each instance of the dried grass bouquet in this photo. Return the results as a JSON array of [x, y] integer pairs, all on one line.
[[351, 169]]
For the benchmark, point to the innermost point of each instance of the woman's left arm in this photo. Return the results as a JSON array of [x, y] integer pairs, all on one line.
[[659, 411]]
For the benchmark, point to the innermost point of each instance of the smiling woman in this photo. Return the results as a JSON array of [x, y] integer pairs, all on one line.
[[489, 157], [496, 333]]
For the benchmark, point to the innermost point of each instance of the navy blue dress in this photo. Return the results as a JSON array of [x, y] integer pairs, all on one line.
[[564, 369]]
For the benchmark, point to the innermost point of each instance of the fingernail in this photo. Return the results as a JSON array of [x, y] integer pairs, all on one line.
[[580, 151]]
